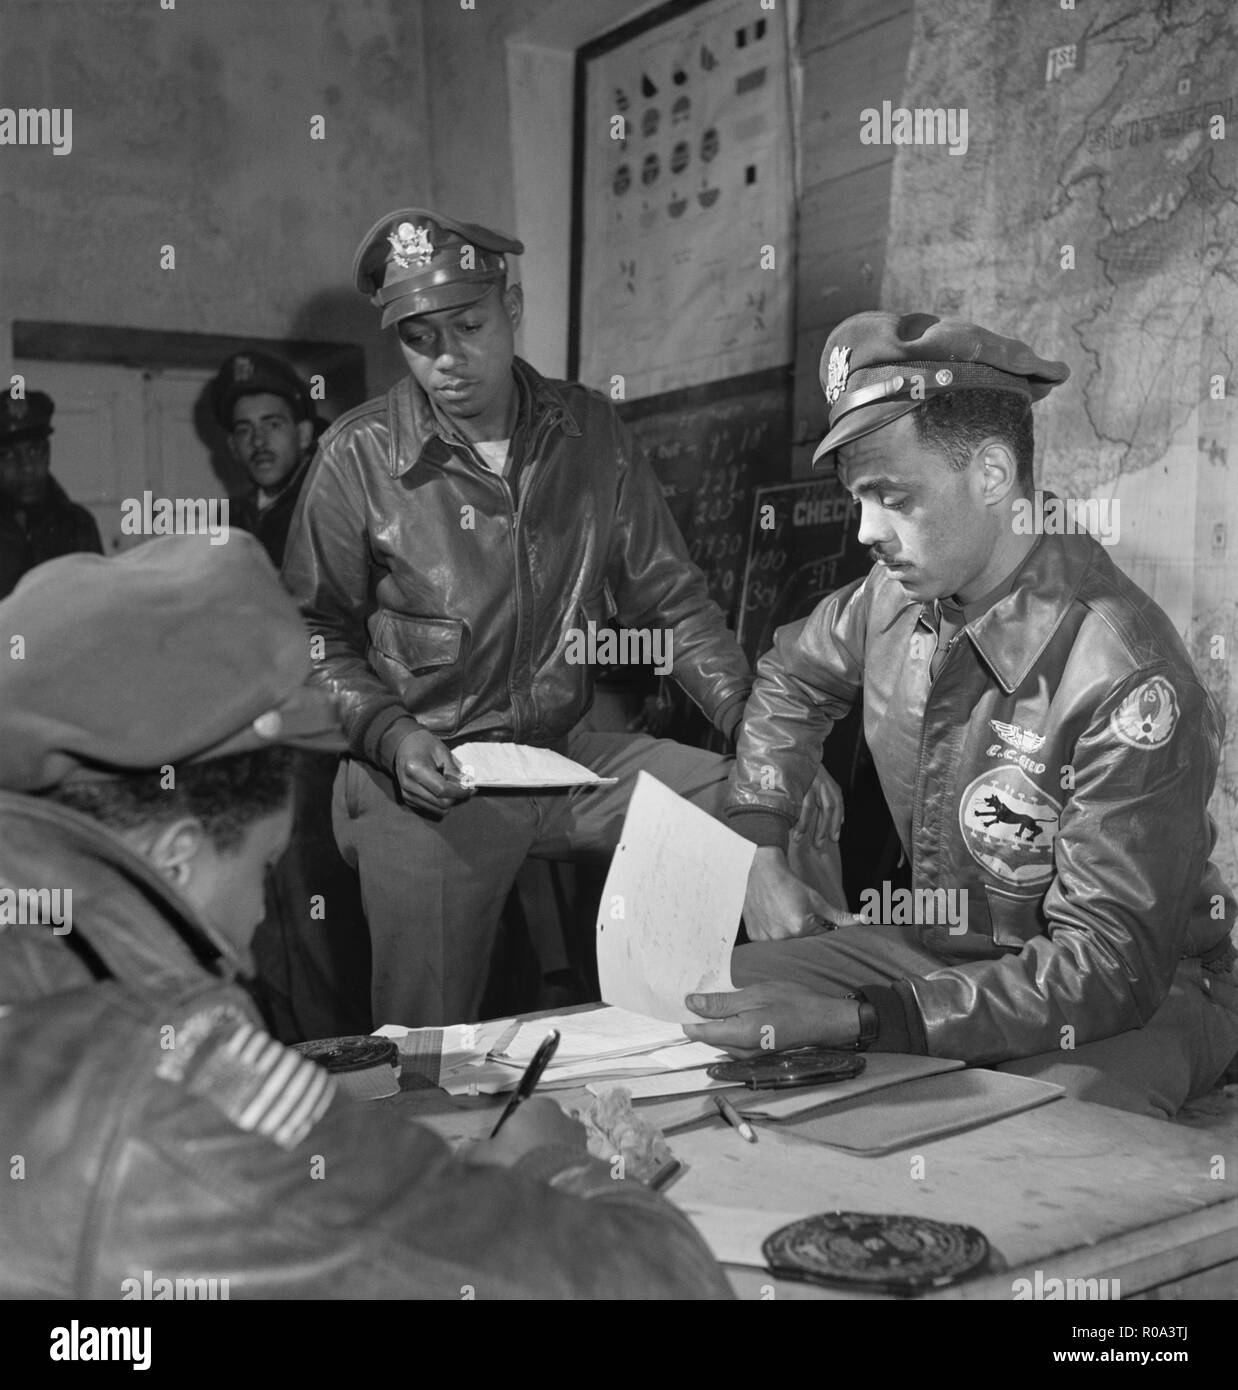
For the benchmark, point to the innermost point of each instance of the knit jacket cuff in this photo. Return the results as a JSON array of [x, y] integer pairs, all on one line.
[[900, 1026], [383, 737], [763, 828], [730, 715]]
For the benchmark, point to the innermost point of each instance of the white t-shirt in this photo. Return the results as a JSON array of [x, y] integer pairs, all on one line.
[[493, 453]]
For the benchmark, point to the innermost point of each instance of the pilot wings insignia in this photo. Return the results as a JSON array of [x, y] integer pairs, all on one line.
[[1023, 740]]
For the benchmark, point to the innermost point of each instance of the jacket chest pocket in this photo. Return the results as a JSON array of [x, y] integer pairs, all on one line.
[[423, 660], [1015, 918]]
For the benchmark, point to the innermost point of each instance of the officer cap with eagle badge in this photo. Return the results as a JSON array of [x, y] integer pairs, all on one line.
[[26, 417], [877, 366], [253, 373], [413, 261]]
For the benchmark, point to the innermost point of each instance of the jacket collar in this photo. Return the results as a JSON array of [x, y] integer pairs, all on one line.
[[288, 493], [412, 423], [145, 933], [1011, 635]]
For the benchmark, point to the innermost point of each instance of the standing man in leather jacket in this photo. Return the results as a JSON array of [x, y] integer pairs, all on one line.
[[1043, 740], [153, 1132], [456, 543]]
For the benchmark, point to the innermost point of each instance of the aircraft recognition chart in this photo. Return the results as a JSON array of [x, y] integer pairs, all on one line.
[[686, 274]]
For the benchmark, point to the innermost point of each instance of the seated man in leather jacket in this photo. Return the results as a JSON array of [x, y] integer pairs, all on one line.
[[148, 704], [1046, 747], [456, 545]]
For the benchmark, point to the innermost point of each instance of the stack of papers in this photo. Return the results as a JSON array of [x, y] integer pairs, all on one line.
[[605, 1044], [521, 765]]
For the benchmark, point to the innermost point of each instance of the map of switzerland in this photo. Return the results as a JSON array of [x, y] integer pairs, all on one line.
[[1094, 214]]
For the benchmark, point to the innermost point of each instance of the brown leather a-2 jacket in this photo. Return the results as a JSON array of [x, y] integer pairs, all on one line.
[[153, 1133], [444, 601], [1055, 774]]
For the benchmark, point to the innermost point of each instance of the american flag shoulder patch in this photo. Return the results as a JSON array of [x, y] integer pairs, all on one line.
[[259, 1084]]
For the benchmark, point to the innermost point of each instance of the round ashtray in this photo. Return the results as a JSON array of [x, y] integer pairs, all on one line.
[[350, 1054]]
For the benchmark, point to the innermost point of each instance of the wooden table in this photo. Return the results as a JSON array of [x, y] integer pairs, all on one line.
[[1070, 1189]]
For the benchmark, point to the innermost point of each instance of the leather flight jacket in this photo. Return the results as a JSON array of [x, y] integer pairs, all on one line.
[[159, 1144], [1054, 776], [444, 602]]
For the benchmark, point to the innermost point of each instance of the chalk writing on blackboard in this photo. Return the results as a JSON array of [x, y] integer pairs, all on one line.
[[807, 549], [711, 452]]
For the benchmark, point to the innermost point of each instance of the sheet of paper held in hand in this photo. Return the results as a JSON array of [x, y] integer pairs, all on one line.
[[521, 765], [671, 905]]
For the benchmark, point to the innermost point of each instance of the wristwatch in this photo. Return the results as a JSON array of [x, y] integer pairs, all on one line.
[[869, 1022]]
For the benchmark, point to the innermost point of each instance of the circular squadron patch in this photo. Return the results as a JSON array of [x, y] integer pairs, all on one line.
[[1148, 715], [876, 1253], [1009, 824]]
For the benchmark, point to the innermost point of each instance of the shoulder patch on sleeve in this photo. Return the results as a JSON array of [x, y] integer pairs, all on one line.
[[259, 1084], [1148, 716]]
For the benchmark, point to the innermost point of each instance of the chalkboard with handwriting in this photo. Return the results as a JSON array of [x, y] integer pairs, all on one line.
[[803, 545], [712, 447]]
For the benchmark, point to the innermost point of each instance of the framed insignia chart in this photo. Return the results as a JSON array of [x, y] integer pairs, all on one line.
[[683, 211]]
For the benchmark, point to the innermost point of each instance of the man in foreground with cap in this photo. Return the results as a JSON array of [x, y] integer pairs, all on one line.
[[148, 706], [268, 415], [1044, 743], [454, 539], [37, 519], [311, 951]]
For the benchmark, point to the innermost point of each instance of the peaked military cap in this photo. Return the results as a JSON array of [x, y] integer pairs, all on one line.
[[413, 261], [27, 418], [877, 366], [253, 373]]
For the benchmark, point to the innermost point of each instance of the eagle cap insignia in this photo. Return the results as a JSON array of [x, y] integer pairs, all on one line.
[[838, 370], [410, 245]]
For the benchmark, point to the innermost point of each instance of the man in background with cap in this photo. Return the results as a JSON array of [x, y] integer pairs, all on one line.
[[312, 950], [451, 537], [266, 410], [37, 519], [145, 779], [1043, 740]]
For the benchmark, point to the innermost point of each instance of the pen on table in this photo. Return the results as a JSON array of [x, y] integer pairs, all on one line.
[[532, 1075], [735, 1119]]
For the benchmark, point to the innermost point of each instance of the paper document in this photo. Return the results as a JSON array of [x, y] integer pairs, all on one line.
[[603, 1045], [520, 765], [671, 905], [438, 1053], [681, 1083], [593, 1034]]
